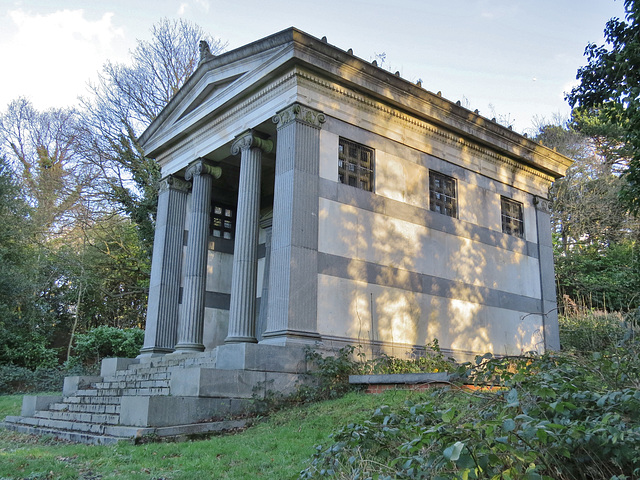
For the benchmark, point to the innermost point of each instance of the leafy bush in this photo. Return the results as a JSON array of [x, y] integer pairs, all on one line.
[[431, 360], [592, 330], [557, 416], [16, 379], [104, 341], [331, 372]]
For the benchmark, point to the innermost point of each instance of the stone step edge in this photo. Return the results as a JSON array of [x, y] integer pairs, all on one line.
[[131, 434]]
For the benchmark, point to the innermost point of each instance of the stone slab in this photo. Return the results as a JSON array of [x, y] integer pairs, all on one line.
[[175, 410], [260, 357], [399, 378]]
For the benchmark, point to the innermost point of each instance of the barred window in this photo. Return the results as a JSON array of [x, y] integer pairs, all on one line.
[[355, 164], [222, 221], [512, 222], [442, 194]]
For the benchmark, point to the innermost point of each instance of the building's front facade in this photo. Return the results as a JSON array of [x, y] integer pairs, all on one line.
[[310, 197]]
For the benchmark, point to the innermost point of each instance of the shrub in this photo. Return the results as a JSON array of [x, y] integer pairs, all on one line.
[[558, 416], [331, 372], [104, 341], [592, 330], [15, 379]]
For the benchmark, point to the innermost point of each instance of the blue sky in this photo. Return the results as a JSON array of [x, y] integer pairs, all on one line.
[[508, 58]]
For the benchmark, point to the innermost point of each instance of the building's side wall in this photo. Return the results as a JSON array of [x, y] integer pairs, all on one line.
[[394, 274]]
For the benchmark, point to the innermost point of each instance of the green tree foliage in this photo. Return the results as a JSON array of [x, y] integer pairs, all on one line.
[[24, 312], [595, 236], [609, 91], [105, 341]]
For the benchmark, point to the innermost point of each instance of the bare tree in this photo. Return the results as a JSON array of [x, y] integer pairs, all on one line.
[[126, 99], [42, 149]]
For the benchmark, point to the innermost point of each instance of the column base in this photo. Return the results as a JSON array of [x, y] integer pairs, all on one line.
[[291, 337], [239, 339], [189, 348], [154, 352]]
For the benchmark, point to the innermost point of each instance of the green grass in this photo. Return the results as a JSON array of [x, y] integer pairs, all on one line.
[[278, 447]]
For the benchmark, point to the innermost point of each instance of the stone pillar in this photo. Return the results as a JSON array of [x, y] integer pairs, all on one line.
[[164, 288], [549, 303], [191, 322], [242, 311], [266, 221], [293, 277]]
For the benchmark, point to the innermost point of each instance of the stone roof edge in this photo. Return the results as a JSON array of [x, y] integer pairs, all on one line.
[[444, 112]]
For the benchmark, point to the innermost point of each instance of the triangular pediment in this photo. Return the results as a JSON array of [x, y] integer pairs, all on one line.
[[209, 92], [217, 82]]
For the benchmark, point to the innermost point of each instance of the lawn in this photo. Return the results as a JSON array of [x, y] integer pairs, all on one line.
[[278, 447]]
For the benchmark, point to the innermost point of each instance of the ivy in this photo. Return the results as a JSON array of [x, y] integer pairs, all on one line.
[[554, 416]]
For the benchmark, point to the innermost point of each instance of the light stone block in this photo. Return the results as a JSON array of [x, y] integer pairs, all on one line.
[[269, 358], [74, 383], [110, 366], [162, 411], [33, 403]]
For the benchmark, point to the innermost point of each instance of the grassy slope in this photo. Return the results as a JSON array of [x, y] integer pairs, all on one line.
[[277, 448]]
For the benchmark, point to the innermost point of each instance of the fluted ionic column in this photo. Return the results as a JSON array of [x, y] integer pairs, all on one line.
[[191, 323], [293, 274], [164, 287], [266, 222], [242, 311]]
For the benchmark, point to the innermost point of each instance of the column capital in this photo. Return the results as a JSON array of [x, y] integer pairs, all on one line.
[[297, 112], [174, 183], [250, 139], [202, 167], [542, 204]]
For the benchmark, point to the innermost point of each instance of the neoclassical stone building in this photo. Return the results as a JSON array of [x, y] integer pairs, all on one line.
[[312, 198]]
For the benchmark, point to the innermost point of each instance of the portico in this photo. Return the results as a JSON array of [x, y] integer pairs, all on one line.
[[172, 329]]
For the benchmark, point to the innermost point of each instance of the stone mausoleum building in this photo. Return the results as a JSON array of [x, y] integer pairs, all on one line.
[[311, 198]]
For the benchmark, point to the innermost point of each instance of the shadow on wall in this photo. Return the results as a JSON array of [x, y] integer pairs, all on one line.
[[408, 284]]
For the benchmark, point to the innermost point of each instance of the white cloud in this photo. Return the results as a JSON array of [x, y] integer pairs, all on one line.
[[51, 57], [204, 4], [199, 4]]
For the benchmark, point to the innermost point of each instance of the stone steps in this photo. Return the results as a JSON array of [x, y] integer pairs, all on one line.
[[86, 408], [115, 434], [80, 417], [171, 395]]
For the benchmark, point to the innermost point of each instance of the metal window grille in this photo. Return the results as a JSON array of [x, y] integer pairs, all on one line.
[[442, 194], [512, 219], [222, 221], [355, 164]]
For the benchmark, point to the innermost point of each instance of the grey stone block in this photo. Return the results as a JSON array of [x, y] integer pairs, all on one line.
[[171, 411], [208, 382], [110, 366], [408, 378], [33, 403], [75, 383], [267, 358]]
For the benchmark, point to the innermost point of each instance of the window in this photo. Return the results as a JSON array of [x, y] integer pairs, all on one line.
[[222, 221], [512, 222], [442, 194], [355, 165]]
